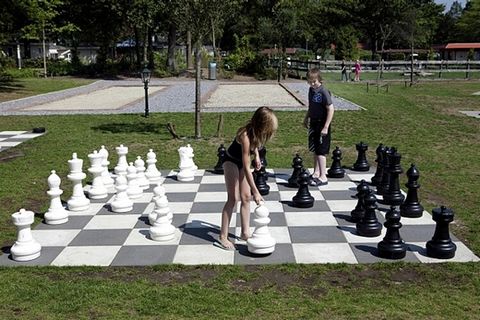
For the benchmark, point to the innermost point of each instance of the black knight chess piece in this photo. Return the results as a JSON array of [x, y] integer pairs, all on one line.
[[359, 211], [297, 165], [393, 196], [221, 153], [441, 246], [392, 246], [369, 226], [411, 208], [303, 198], [361, 164], [377, 177], [336, 170]]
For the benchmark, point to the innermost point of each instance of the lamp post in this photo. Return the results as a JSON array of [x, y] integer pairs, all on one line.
[[146, 79]]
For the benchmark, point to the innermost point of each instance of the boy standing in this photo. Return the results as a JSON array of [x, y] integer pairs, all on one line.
[[318, 119]]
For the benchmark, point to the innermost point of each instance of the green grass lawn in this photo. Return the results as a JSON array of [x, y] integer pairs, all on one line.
[[422, 122]]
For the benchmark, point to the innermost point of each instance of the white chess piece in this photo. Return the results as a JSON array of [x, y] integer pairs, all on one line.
[[97, 189], [107, 179], [78, 201], [143, 182], [161, 205], [191, 155], [134, 191], [25, 248], [121, 202], [162, 228], [152, 173], [56, 213], [186, 165], [122, 164], [261, 242]]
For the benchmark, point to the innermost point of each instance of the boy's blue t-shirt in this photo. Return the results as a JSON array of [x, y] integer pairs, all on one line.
[[318, 100]]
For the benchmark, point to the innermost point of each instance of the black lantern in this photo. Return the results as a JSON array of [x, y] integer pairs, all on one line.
[[146, 79]]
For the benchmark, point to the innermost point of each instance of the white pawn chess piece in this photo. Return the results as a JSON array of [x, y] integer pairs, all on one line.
[[122, 164], [98, 189], [25, 248], [142, 179], [78, 201], [152, 173], [162, 228], [161, 205], [261, 242], [186, 173], [134, 191], [56, 213], [107, 179], [121, 202]]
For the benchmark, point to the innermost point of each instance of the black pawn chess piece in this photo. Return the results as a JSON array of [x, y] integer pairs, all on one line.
[[377, 177], [385, 180], [297, 165], [359, 211], [411, 208], [393, 195], [221, 153], [392, 246], [261, 181], [303, 198], [336, 170], [441, 246], [361, 164], [369, 226]]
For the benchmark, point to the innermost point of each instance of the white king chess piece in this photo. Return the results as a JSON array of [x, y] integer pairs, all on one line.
[[186, 165], [261, 242], [78, 201], [56, 213], [25, 248]]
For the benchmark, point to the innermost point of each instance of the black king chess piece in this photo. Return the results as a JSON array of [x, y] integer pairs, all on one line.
[[411, 208], [361, 164], [393, 196], [303, 198], [221, 153], [297, 165], [441, 246], [392, 246], [377, 177], [336, 170], [369, 226], [362, 190]]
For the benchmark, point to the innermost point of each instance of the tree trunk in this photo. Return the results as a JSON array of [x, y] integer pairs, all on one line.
[[44, 53], [411, 66], [145, 48], [189, 51], [137, 48], [198, 101], [172, 40], [213, 40]]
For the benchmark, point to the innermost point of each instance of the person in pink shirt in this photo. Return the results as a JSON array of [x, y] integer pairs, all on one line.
[[358, 69]]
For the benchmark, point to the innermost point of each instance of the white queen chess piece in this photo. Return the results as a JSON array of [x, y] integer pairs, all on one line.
[[25, 248], [187, 166], [107, 179], [78, 201], [121, 202], [97, 189], [261, 242], [152, 173], [56, 213], [122, 164]]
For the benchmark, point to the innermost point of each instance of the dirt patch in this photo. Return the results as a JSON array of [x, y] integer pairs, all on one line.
[[9, 156]]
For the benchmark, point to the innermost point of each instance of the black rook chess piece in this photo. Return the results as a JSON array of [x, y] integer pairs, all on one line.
[[393, 196], [359, 211], [297, 165], [221, 152], [303, 198], [392, 246], [441, 246], [369, 226], [361, 164], [411, 208], [336, 170], [377, 177]]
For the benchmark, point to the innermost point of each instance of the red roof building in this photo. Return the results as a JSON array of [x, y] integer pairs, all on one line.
[[461, 51]]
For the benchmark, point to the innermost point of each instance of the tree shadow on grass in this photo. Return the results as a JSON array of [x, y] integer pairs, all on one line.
[[7, 84], [157, 128]]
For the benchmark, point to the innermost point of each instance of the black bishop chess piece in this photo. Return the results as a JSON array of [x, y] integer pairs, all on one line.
[[336, 170], [393, 195], [361, 164], [297, 165], [441, 246], [359, 211], [369, 226], [411, 208], [383, 186], [377, 177], [303, 198], [221, 153], [392, 246]]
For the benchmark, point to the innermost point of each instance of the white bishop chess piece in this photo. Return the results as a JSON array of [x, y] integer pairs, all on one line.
[[56, 213], [186, 165], [25, 248], [161, 205], [152, 173], [78, 201], [261, 242], [162, 228]]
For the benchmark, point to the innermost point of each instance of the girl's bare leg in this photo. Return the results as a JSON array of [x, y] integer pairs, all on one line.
[[231, 174], [245, 196]]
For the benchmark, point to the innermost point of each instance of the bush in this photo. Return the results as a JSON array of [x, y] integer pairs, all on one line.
[[397, 56], [21, 73]]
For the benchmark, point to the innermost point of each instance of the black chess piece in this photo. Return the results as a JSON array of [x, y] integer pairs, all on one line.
[[411, 208], [261, 181], [441, 246], [336, 170], [393, 196], [377, 177], [297, 165], [262, 153], [221, 153], [392, 246], [369, 226], [361, 164], [303, 198], [385, 181], [359, 211]]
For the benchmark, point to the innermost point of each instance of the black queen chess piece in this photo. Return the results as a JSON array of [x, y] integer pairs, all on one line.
[[221, 153], [369, 226], [377, 177], [297, 165], [303, 198], [359, 211], [392, 246], [411, 208], [361, 164], [336, 170], [441, 246]]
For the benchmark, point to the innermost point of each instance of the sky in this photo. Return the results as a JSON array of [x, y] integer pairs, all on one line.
[[448, 3]]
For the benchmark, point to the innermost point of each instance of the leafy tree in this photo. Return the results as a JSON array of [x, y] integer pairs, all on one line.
[[469, 23]]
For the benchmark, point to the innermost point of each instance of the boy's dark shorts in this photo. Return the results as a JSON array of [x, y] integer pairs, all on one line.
[[317, 143]]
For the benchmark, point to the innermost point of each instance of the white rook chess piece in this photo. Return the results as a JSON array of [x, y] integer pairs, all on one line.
[[25, 248], [78, 201], [56, 213], [142, 179], [134, 191], [122, 164], [121, 202], [261, 242], [98, 189], [186, 165], [161, 205], [162, 228], [107, 179], [152, 173]]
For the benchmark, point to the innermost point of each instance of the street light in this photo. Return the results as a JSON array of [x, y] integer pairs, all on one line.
[[146, 79]]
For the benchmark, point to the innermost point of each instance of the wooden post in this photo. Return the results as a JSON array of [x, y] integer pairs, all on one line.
[[220, 126], [440, 72], [467, 75]]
